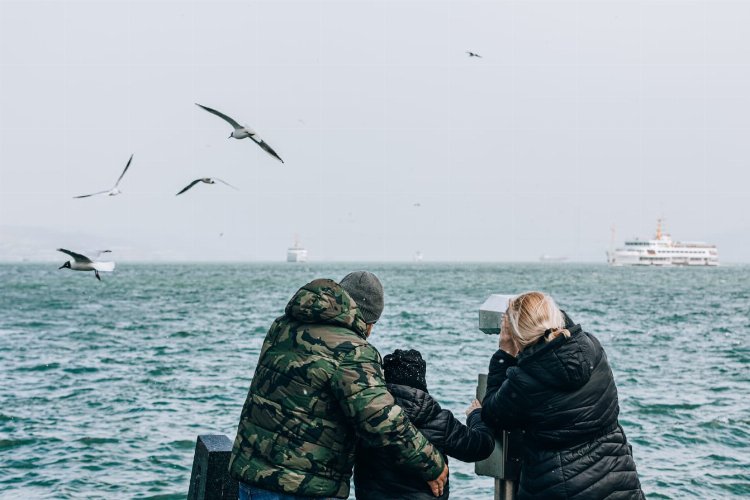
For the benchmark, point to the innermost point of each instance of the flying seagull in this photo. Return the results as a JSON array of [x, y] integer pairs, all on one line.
[[473, 54], [241, 132], [207, 180], [83, 263], [114, 191]]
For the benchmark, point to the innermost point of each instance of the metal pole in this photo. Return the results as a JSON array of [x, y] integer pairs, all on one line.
[[504, 489], [505, 463]]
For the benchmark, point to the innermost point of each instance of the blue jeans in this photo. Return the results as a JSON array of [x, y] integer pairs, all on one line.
[[248, 492]]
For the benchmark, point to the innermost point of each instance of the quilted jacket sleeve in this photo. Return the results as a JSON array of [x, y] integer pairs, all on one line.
[[503, 406], [471, 442]]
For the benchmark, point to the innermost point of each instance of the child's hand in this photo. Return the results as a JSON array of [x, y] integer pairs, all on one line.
[[475, 405]]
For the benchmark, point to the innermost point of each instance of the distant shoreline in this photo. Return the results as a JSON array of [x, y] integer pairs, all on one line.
[[379, 263]]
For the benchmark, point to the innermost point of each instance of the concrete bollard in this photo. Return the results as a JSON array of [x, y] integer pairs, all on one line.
[[210, 477]]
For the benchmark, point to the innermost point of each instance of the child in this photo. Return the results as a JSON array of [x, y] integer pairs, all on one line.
[[375, 474]]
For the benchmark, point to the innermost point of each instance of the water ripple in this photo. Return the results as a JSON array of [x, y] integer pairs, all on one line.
[[107, 385]]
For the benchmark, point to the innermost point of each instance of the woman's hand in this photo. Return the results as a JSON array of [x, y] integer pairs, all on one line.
[[506, 339], [475, 405]]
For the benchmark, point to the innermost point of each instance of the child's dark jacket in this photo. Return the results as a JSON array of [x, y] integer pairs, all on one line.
[[376, 476]]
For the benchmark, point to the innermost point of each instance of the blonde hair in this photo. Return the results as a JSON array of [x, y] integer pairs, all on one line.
[[534, 315]]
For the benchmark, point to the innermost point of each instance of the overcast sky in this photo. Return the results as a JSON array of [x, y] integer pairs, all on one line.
[[579, 116]]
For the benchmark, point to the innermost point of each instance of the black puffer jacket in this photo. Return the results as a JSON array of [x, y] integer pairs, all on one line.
[[562, 394], [377, 477]]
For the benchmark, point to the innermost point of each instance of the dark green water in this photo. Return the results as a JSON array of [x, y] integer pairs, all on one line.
[[106, 385]]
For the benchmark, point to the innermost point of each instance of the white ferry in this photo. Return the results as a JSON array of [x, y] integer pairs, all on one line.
[[662, 251], [296, 253]]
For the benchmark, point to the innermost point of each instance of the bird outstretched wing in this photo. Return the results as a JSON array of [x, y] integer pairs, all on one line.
[[221, 115], [225, 182], [76, 256], [260, 142], [123, 172], [92, 194], [196, 181]]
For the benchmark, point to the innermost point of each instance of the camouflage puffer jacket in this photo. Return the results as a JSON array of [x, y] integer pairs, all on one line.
[[319, 387]]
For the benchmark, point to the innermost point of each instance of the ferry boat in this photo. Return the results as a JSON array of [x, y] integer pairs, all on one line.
[[296, 253], [662, 251]]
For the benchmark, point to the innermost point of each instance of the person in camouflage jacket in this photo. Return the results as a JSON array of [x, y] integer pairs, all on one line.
[[317, 388]]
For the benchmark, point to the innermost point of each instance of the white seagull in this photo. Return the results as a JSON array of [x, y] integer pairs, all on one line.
[[241, 132], [206, 180], [114, 191], [83, 263]]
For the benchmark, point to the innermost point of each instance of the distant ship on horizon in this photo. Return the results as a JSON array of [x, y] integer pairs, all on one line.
[[296, 253], [663, 251], [551, 258]]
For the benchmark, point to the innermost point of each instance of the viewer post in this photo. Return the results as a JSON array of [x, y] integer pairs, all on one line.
[[504, 465]]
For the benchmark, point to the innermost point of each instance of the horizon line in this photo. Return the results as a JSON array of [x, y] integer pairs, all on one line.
[[298, 264]]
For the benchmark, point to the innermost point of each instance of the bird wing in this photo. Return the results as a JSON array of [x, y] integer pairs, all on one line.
[[99, 253], [104, 267], [76, 256], [260, 142], [221, 115], [196, 181], [225, 182], [123, 172], [92, 194]]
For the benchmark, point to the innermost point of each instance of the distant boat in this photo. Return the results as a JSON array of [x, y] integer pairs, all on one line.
[[662, 251], [551, 258], [296, 253]]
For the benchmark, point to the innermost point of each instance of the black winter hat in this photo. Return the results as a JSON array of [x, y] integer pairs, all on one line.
[[406, 368]]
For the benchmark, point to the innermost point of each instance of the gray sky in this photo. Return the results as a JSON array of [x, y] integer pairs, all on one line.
[[580, 115]]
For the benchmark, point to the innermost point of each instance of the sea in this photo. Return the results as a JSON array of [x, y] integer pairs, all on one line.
[[104, 386]]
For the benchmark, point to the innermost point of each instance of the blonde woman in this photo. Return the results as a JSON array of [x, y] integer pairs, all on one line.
[[552, 380]]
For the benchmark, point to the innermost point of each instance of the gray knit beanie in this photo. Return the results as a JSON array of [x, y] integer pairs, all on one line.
[[367, 291]]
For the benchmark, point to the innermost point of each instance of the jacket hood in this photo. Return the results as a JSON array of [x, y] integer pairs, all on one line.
[[418, 405], [324, 301], [564, 363]]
